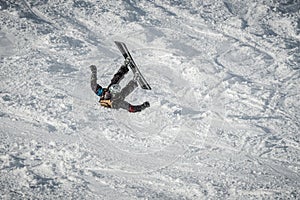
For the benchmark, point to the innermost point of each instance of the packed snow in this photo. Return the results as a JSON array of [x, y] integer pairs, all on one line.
[[224, 116]]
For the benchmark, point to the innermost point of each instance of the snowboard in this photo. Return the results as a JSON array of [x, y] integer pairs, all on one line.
[[125, 52]]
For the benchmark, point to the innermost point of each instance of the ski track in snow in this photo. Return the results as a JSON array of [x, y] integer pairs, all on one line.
[[224, 116]]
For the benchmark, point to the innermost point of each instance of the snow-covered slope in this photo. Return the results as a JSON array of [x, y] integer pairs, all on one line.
[[224, 116]]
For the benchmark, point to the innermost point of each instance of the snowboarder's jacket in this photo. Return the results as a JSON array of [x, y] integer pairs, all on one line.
[[106, 103], [105, 95]]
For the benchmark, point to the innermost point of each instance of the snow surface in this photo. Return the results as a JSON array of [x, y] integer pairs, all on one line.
[[224, 116]]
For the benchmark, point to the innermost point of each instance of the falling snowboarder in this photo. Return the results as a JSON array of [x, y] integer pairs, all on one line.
[[113, 96]]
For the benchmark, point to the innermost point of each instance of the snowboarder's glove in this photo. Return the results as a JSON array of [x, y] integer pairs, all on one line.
[[93, 68], [127, 61], [145, 105]]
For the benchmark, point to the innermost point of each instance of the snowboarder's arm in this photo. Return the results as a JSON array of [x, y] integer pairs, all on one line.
[[131, 108], [94, 78]]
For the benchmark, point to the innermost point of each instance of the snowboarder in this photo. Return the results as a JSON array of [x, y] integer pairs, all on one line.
[[113, 96]]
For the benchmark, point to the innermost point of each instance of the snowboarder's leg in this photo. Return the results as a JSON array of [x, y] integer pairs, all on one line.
[[94, 78], [128, 89], [125, 91], [119, 75]]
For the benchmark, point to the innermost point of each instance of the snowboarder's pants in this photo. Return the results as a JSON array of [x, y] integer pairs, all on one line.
[[118, 99], [119, 75]]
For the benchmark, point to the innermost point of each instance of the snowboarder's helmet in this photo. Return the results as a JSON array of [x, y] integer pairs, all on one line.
[[115, 88], [99, 90]]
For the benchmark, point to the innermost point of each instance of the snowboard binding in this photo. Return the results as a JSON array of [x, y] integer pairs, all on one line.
[[127, 61]]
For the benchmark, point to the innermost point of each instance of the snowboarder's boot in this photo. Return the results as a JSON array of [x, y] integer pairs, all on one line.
[[127, 61], [136, 77]]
